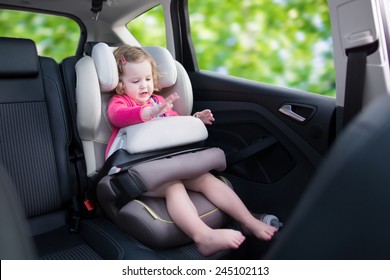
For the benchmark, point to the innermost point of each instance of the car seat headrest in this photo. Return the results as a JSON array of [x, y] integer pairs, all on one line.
[[166, 66], [105, 67], [107, 71], [19, 58]]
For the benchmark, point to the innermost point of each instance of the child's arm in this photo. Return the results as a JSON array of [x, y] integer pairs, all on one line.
[[122, 114]]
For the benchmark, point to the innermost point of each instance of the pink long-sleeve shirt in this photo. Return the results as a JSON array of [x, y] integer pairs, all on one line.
[[123, 111]]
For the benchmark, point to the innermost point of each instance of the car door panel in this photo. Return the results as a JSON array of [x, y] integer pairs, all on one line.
[[270, 155]]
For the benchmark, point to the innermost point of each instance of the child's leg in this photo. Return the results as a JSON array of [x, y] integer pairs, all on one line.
[[184, 214], [228, 201]]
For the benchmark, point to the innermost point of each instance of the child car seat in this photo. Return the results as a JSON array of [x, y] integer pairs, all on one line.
[[144, 155]]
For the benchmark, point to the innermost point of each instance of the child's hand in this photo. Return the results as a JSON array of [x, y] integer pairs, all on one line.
[[170, 99], [164, 106], [205, 116]]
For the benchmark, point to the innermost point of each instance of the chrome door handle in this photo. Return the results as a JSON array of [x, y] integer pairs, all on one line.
[[287, 110]]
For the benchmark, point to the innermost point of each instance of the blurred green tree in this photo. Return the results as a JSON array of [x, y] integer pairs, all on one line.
[[281, 42], [55, 36]]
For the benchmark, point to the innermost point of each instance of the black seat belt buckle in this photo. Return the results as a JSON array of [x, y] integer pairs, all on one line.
[[74, 223]]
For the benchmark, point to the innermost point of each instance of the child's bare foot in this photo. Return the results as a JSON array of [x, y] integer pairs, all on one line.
[[217, 240], [260, 230]]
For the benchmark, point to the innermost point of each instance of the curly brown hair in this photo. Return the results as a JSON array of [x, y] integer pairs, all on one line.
[[133, 54]]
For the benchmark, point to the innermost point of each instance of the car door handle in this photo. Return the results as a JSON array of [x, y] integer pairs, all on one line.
[[288, 111]]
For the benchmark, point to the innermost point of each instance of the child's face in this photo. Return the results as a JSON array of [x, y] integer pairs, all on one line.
[[138, 81]]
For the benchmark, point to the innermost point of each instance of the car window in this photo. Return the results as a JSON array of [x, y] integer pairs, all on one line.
[[287, 44], [55, 36], [153, 22]]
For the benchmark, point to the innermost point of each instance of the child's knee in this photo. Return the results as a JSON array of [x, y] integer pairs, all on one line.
[[199, 183]]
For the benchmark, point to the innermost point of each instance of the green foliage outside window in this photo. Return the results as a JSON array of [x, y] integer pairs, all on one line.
[[281, 42], [55, 36], [153, 22]]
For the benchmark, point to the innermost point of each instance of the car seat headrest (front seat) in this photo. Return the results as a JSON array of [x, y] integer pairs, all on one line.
[[24, 63]]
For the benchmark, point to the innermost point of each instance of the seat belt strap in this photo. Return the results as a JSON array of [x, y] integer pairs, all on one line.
[[354, 86], [80, 180], [355, 80]]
